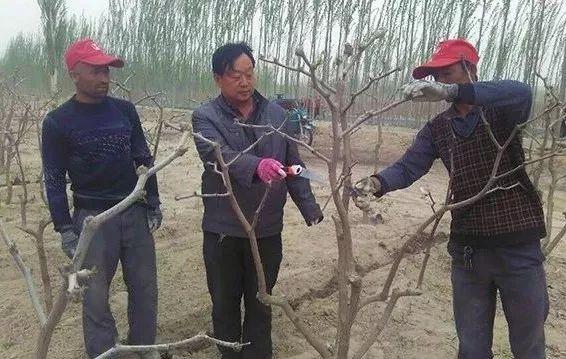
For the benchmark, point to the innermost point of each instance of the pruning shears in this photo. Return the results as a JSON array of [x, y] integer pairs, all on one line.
[[300, 171]]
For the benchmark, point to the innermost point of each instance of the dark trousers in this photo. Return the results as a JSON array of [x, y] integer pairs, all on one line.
[[125, 238], [230, 274], [518, 275]]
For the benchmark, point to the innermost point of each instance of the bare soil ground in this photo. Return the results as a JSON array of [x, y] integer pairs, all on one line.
[[421, 327]]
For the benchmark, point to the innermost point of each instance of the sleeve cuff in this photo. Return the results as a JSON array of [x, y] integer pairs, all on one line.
[[384, 186], [311, 212], [153, 201], [63, 227], [466, 94]]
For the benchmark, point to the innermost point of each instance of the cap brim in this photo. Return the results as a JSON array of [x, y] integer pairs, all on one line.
[[101, 60], [428, 68]]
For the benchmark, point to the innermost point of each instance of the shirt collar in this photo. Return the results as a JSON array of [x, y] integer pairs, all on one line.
[[257, 97], [452, 113]]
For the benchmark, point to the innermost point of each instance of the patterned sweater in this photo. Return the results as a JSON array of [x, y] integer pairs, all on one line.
[[99, 146]]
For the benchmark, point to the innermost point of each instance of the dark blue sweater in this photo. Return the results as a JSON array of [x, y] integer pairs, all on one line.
[[99, 146], [511, 98]]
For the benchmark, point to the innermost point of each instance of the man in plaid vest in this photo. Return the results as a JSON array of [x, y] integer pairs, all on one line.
[[494, 241]]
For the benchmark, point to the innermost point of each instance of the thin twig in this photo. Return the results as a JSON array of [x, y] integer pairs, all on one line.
[[256, 142], [148, 96], [371, 81], [504, 188], [186, 345], [366, 116], [261, 205], [547, 250], [362, 48], [286, 136], [549, 88], [341, 181], [201, 195], [299, 70]]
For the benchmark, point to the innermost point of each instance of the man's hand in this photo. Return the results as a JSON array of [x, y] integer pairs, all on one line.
[[154, 218], [368, 186], [429, 91], [315, 221], [69, 241], [270, 170], [364, 190]]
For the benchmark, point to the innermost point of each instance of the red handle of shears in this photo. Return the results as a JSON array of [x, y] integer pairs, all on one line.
[[293, 170]]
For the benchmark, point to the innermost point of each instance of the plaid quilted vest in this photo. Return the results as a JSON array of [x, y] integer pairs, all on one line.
[[510, 214]]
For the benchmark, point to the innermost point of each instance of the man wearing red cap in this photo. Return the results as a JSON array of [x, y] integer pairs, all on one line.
[[98, 141], [494, 241]]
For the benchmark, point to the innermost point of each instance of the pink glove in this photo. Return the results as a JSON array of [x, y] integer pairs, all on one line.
[[270, 170]]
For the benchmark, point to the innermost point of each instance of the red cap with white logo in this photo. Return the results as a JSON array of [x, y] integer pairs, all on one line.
[[448, 53], [89, 52]]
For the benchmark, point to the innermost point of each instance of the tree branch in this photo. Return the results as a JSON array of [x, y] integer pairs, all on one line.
[[70, 287], [290, 138], [296, 320], [256, 142], [362, 48], [186, 345], [548, 87], [325, 89], [363, 118], [550, 246], [148, 96], [92, 223], [262, 295], [380, 324], [195, 194], [26, 272], [261, 205], [372, 80]]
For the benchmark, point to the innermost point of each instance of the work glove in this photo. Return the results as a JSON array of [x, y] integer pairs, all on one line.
[[270, 170], [154, 218], [367, 186], [314, 222], [429, 91], [364, 190], [69, 241]]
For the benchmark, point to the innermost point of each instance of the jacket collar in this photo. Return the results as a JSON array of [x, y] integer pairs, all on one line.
[[259, 99]]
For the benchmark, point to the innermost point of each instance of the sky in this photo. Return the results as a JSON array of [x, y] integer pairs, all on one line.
[[24, 15]]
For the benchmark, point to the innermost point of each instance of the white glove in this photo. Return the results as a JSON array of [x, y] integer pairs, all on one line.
[[368, 186], [429, 91]]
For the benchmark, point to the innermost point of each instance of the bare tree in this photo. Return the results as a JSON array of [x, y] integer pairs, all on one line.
[[340, 97], [73, 275], [54, 26]]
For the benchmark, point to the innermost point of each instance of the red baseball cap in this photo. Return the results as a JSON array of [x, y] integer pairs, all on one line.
[[447, 53], [89, 52]]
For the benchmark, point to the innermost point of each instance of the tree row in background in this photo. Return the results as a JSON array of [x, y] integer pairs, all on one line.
[[168, 43]]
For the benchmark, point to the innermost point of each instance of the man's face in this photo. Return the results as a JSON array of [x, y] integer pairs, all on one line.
[[238, 82], [454, 74], [91, 81]]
